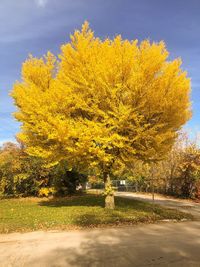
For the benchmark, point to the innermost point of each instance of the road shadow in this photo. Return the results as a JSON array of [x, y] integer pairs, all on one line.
[[144, 246]]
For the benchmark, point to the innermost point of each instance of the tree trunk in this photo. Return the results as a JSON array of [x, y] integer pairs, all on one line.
[[152, 183], [109, 193], [153, 190]]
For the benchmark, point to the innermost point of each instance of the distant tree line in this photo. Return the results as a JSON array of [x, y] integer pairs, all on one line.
[[178, 174], [25, 175]]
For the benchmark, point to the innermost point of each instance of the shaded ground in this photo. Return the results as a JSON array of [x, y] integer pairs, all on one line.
[[166, 244]]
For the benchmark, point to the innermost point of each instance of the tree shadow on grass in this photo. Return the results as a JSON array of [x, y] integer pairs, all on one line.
[[95, 200], [84, 200], [88, 211]]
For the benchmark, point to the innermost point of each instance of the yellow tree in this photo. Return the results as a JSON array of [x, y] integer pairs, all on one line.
[[103, 101]]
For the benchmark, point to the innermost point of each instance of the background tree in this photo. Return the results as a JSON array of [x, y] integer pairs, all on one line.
[[9, 166], [185, 175], [178, 174], [25, 175], [66, 181], [106, 100]]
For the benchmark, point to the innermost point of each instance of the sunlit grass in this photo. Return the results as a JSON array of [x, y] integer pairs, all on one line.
[[29, 214]]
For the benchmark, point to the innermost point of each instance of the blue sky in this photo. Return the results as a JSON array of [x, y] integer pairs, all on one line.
[[35, 26]]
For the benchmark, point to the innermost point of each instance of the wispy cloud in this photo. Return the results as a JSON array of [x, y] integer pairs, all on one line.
[[41, 3]]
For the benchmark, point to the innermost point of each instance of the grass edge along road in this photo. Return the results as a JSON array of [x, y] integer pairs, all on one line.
[[78, 212]]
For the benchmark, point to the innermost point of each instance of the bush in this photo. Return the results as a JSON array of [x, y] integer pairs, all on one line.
[[46, 191], [24, 175]]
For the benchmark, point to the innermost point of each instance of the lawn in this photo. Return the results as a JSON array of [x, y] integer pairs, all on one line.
[[29, 214]]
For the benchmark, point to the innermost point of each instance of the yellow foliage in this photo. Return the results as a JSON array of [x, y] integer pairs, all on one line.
[[104, 100], [46, 191]]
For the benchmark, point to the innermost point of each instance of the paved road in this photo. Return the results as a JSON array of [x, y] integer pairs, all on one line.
[[164, 244]]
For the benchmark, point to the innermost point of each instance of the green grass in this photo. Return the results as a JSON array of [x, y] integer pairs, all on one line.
[[29, 214]]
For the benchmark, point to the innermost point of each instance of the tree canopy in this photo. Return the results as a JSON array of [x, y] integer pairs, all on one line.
[[102, 102]]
